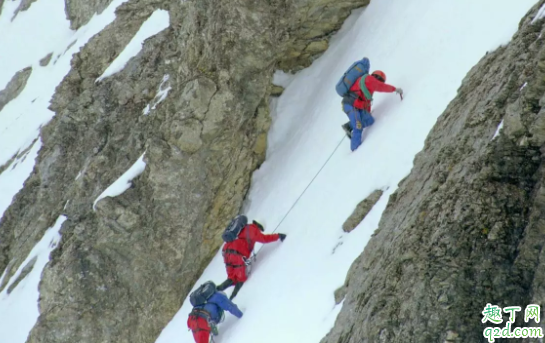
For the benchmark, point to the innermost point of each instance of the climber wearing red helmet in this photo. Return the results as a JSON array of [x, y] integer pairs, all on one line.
[[376, 82], [357, 103]]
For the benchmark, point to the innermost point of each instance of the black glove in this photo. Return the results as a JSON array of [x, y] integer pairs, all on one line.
[[258, 225], [282, 236]]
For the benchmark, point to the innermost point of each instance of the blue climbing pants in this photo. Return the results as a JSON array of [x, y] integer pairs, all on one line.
[[359, 119]]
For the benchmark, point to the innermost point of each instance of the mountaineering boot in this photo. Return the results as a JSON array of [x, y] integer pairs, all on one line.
[[348, 130], [224, 285], [238, 286]]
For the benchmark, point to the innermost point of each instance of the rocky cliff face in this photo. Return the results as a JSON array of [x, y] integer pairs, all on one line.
[[467, 226], [122, 271]]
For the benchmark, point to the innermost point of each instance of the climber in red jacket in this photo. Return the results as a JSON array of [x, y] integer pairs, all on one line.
[[357, 104], [375, 82], [236, 255]]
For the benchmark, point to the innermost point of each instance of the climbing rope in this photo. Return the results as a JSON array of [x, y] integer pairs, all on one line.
[[303, 193], [310, 183]]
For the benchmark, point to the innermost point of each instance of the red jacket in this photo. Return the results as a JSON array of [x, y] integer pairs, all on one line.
[[233, 252], [373, 85]]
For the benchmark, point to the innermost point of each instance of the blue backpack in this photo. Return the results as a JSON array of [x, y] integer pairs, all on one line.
[[355, 71], [233, 229]]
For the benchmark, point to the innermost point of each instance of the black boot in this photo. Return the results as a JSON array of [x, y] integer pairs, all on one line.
[[238, 286], [348, 129], [226, 284]]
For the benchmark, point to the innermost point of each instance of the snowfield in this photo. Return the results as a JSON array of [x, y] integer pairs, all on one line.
[[425, 47]]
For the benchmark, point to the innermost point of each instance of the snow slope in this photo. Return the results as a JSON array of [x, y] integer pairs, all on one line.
[[424, 46]]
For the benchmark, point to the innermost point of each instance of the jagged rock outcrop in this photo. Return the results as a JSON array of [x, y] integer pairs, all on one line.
[[467, 226], [121, 272], [23, 6], [79, 12], [45, 61], [15, 86], [361, 211]]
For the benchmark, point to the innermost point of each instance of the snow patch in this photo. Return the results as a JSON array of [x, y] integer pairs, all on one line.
[[540, 14], [162, 93], [124, 182], [281, 78], [157, 22], [146, 110], [496, 134], [19, 309]]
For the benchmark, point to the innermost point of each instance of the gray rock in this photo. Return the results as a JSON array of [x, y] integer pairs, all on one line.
[[15, 86], [197, 95], [79, 12], [23, 6], [137, 256], [340, 294], [317, 47], [451, 336], [466, 227], [309, 24], [45, 61], [277, 90], [361, 211], [6, 278]]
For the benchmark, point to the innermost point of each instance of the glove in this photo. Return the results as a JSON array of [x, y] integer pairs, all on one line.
[[281, 236], [258, 225], [399, 91]]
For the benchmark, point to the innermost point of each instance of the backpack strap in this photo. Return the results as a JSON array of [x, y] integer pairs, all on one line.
[[248, 236], [364, 89], [201, 313], [234, 252]]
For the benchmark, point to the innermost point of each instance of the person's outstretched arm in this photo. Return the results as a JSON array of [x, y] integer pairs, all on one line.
[[228, 305], [375, 85], [257, 236]]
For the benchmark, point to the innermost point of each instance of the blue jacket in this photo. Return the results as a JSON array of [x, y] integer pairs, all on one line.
[[218, 303]]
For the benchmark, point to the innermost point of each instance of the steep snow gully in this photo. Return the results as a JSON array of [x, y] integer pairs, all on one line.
[[425, 46]]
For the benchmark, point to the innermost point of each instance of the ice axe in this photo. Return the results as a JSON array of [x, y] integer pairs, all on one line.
[[400, 92]]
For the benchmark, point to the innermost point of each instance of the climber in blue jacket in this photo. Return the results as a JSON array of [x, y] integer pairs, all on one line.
[[204, 318]]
